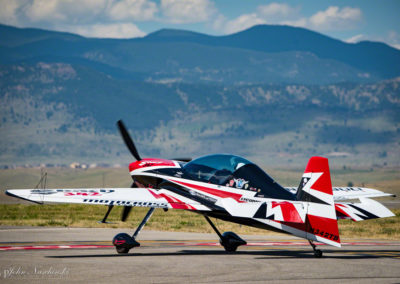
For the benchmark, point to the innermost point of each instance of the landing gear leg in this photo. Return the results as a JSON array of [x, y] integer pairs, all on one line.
[[123, 242], [229, 240], [317, 252], [144, 221]]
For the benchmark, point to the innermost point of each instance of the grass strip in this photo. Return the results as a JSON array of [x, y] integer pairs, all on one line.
[[77, 215]]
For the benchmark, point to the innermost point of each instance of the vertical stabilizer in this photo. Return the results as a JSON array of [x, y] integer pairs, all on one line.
[[316, 190]]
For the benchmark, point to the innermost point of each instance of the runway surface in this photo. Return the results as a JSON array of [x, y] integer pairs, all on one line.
[[76, 255]]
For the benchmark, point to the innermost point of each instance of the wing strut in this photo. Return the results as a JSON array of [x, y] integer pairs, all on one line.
[[110, 207]]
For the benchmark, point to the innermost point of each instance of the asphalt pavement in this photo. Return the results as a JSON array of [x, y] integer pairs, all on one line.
[[49, 255]]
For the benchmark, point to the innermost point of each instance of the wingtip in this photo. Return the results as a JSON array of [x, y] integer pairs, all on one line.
[[9, 192]]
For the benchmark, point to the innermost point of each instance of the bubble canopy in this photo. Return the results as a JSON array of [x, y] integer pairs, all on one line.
[[214, 168], [220, 162], [218, 166], [231, 170]]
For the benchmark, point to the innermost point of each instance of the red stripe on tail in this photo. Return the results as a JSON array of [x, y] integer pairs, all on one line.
[[320, 165]]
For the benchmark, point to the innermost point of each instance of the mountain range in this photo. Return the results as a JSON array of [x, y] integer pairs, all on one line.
[[261, 54], [274, 93]]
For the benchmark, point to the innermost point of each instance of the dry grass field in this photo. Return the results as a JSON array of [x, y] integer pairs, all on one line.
[[70, 215]]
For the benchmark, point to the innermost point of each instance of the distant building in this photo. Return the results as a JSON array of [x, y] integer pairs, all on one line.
[[75, 165], [93, 166]]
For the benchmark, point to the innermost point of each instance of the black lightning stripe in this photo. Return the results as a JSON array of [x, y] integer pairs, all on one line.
[[261, 212], [366, 213], [304, 196]]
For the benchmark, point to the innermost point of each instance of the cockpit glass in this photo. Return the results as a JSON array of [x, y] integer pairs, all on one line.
[[216, 169], [236, 172]]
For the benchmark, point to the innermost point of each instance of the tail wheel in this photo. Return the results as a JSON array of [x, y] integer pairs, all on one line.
[[318, 253]]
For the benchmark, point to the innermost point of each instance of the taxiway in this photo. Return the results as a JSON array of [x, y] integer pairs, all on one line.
[[76, 254]]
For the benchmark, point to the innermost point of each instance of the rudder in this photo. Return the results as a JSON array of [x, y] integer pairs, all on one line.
[[316, 190]]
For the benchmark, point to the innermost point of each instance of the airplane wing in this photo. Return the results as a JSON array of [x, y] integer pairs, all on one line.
[[347, 193], [141, 197]]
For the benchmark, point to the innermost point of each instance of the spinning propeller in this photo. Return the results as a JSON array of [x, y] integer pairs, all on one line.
[[132, 148], [128, 140]]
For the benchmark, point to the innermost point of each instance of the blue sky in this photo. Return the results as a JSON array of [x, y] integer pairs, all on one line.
[[351, 20]]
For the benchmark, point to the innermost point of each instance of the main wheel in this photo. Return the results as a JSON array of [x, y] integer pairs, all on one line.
[[230, 248], [318, 253], [122, 250]]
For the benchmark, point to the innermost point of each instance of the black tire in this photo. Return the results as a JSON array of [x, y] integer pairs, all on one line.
[[318, 253], [122, 250], [230, 248]]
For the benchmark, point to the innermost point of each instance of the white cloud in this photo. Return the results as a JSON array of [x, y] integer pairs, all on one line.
[[391, 38], [397, 46], [117, 30], [272, 13], [42, 10], [87, 17], [219, 22], [139, 10], [302, 22], [84, 11], [334, 18], [243, 22], [8, 11], [187, 11], [57, 11], [276, 10], [355, 39]]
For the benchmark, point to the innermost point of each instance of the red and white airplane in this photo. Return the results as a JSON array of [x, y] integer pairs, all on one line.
[[230, 188]]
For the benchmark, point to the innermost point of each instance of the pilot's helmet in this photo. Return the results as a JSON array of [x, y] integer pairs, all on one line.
[[239, 165]]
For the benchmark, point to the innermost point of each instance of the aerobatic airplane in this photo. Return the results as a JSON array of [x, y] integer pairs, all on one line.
[[229, 188]]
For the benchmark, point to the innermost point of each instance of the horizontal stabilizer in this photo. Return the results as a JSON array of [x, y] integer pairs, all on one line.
[[367, 209], [347, 193]]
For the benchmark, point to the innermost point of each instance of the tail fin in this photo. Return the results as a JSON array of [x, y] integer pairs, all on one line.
[[316, 190]]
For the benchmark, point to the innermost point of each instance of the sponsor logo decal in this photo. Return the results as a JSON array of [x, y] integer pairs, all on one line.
[[248, 199], [80, 192], [178, 174], [203, 196], [238, 183], [149, 163], [347, 189], [128, 203]]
